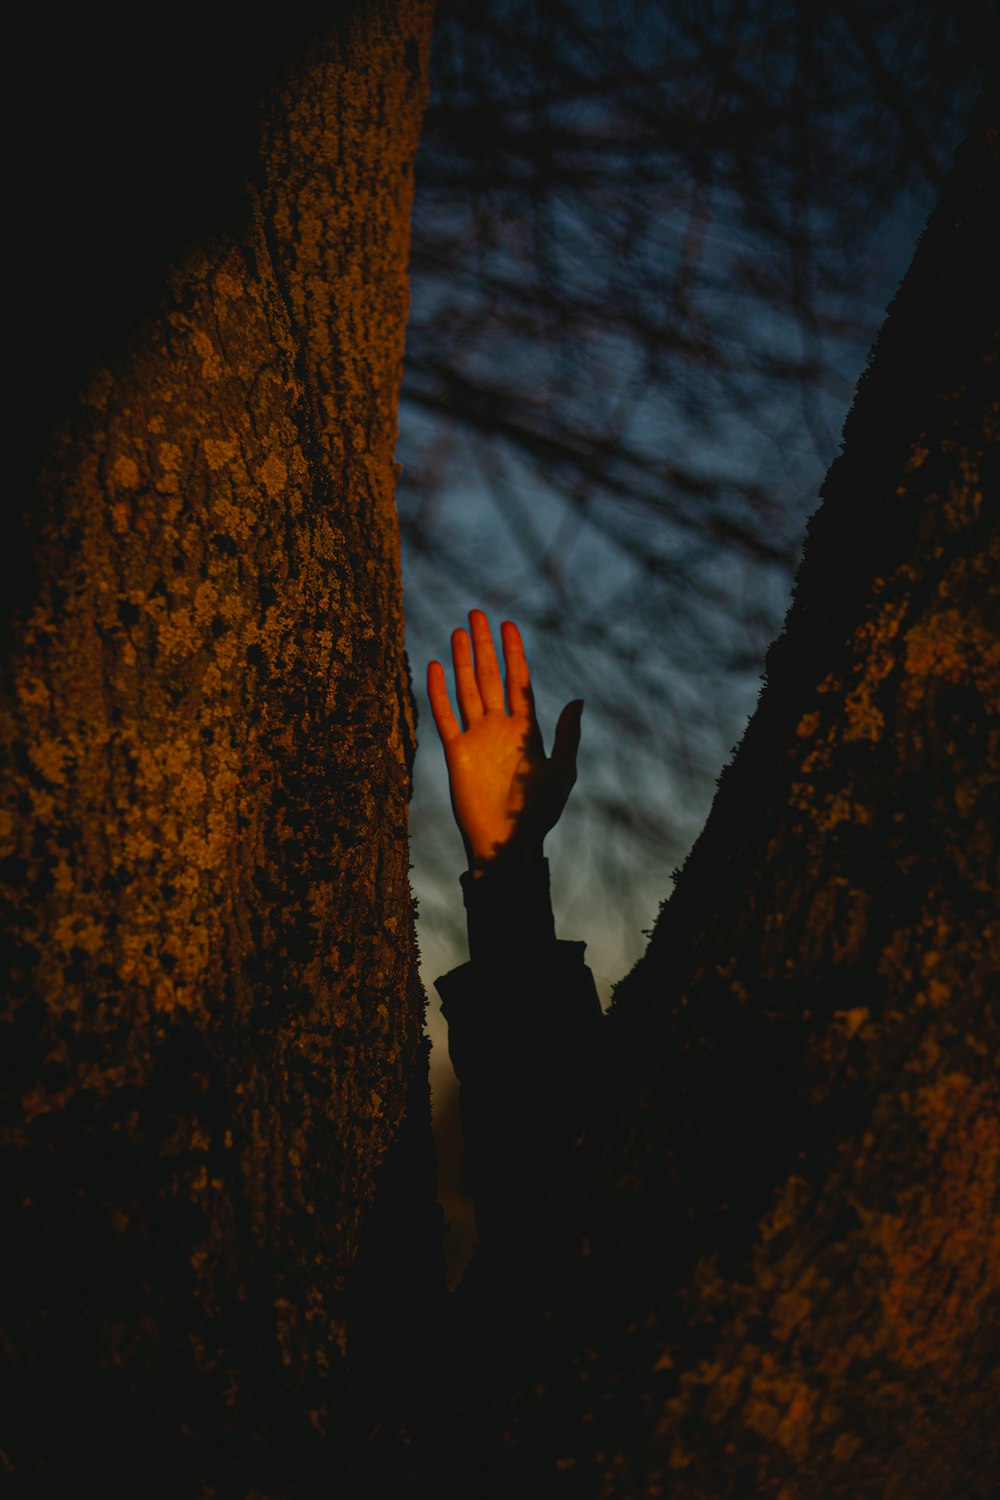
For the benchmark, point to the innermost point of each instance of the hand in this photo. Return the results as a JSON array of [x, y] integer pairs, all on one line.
[[505, 792]]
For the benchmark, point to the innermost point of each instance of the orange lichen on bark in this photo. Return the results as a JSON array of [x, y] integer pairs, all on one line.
[[210, 730], [948, 645], [942, 1249]]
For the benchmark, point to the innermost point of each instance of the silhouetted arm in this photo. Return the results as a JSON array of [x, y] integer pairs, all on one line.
[[522, 1021], [523, 1012]]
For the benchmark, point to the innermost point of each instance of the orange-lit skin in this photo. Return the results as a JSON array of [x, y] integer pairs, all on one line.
[[506, 793]]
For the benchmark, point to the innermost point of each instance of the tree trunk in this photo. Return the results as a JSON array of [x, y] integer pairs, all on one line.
[[213, 1019], [771, 1263]]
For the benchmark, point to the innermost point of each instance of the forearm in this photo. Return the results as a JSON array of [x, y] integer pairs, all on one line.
[[508, 912], [523, 1016]]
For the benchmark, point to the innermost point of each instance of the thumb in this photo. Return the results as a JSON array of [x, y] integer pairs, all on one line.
[[567, 739]]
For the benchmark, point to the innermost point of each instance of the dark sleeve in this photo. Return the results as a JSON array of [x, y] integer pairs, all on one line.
[[523, 1018]]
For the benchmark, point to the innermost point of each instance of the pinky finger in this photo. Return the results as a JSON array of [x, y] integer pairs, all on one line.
[[448, 726]]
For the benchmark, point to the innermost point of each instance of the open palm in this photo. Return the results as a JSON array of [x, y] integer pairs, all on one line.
[[505, 791]]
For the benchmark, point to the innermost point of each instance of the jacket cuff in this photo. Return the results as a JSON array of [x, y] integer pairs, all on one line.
[[487, 1009], [509, 914]]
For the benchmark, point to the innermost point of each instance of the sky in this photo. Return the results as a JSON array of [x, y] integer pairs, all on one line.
[[591, 412], [577, 849]]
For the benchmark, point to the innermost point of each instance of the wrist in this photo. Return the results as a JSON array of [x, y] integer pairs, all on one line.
[[504, 859], [509, 915]]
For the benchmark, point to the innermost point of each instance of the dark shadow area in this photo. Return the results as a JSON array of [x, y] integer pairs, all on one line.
[[131, 136]]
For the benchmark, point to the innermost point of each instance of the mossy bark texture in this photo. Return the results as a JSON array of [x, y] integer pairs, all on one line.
[[212, 1018], [772, 1267]]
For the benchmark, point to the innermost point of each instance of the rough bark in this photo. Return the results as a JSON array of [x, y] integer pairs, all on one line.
[[212, 1019], [771, 1264]]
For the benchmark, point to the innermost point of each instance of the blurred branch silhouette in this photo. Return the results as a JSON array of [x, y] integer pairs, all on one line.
[[652, 244]]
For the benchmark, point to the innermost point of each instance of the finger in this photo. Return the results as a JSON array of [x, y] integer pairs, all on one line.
[[519, 696], [470, 705], [487, 670], [567, 740], [437, 691]]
